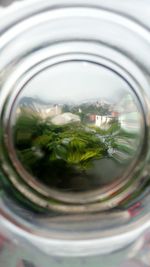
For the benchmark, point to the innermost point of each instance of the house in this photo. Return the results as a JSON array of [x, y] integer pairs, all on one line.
[[102, 121], [65, 118]]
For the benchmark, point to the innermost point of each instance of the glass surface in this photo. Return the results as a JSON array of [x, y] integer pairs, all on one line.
[[74, 134], [78, 132]]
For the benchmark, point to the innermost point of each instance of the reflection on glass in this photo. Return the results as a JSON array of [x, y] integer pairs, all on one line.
[[77, 145]]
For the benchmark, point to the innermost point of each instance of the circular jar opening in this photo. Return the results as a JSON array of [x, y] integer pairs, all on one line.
[[76, 128]]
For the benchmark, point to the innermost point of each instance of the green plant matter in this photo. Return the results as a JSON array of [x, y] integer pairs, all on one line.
[[51, 151]]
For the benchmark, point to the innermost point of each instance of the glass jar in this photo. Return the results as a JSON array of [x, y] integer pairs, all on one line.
[[74, 133]]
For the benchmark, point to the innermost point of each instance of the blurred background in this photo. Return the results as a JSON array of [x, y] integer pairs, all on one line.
[[6, 2]]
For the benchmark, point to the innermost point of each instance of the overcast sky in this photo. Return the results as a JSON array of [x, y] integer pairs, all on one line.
[[77, 82]]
